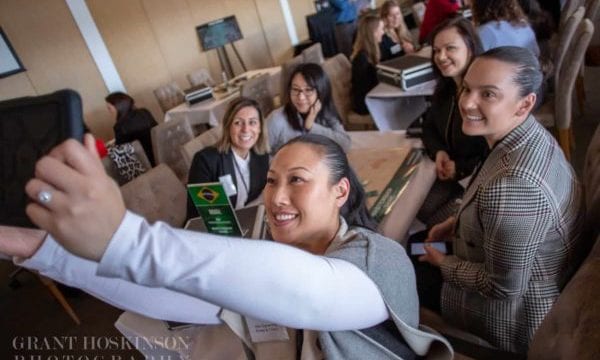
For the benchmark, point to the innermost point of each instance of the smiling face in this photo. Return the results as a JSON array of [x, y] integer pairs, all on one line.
[[490, 103], [450, 53], [302, 206], [244, 130], [394, 17], [303, 95]]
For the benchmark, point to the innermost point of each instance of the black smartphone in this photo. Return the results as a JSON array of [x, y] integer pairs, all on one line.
[[29, 128]]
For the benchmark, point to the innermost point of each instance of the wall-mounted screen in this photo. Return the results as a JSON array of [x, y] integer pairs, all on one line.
[[219, 33]]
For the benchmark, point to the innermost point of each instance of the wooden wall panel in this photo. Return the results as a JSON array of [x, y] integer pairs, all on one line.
[[151, 42], [131, 42], [51, 48]]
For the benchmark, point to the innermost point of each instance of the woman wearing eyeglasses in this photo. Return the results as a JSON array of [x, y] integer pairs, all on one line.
[[308, 108]]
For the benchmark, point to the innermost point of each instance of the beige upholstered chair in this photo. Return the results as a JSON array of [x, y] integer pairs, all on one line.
[[119, 171], [207, 138], [286, 71], [258, 89], [339, 70], [571, 330], [591, 11], [558, 112], [568, 9], [169, 96], [313, 54], [547, 113], [157, 195], [167, 139], [200, 77]]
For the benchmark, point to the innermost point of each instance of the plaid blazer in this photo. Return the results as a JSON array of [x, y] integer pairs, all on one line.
[[515, 239]]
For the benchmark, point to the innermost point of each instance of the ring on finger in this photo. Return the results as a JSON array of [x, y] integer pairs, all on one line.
[[44, 197]]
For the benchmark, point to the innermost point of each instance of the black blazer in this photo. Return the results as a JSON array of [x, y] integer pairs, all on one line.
[[442, 130], [385, 48], [364, 78], [209, 164], [136, 125]]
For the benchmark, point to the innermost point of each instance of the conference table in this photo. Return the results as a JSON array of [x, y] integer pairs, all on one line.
[[375, 156], [395, 109], [211, 111]]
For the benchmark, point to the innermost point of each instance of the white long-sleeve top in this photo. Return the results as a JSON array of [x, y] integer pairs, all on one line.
[[183, 273]]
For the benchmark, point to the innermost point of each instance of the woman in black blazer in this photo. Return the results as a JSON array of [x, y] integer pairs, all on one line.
[[239, 159]]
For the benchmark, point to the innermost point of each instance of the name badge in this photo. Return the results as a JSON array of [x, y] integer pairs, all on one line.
[[261, 331], [396, 49], [228, 185]]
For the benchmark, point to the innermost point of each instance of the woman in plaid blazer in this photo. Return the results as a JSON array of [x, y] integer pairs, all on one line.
[[516, 234]]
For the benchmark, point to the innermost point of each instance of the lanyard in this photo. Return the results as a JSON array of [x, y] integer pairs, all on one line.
[[237, 167]]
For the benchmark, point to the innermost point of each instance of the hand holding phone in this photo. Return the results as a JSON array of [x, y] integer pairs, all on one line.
[[419, 247]]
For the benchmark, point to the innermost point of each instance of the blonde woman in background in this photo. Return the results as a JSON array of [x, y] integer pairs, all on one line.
[[397, 39], [365, 56]]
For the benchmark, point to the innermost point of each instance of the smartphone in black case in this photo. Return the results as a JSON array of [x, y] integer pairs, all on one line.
[[29, 128]]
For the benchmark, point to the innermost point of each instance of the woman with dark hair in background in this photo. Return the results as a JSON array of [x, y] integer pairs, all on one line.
[[365, 57], [436, 11], [132, 123], [397, 39], [503, 23], [454, 44], [516, 237], [348, 291], [308, 109], [240, 157]]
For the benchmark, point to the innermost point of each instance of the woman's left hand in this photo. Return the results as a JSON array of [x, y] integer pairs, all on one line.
[[83, 207], [432, 256], [408, 47], [312, 115]]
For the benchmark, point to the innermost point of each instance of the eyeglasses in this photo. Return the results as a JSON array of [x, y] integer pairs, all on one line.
[[307, 92]]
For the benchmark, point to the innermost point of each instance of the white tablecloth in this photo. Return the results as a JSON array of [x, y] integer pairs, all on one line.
[[393, 108], [211, 111]]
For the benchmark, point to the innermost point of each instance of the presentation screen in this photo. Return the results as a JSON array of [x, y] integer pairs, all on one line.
[[219, 33]]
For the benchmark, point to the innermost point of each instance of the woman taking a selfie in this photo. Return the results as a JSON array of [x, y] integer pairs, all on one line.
[[517, 233], [240, 158], [325, 271], [308, 109]]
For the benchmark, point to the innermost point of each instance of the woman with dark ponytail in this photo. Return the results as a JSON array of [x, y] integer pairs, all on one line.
[[346, 290]]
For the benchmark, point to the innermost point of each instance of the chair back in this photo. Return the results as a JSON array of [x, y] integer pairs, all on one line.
[[207, 138], [339, 70], [258, 89], [591, 9], [571, 329], [569, 70], [286, 71], [564, 40], [157, 195], [167, 139], [200, 77], [169, 96], [568, 9], [126, 161], [313, 54], [591, 179]]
